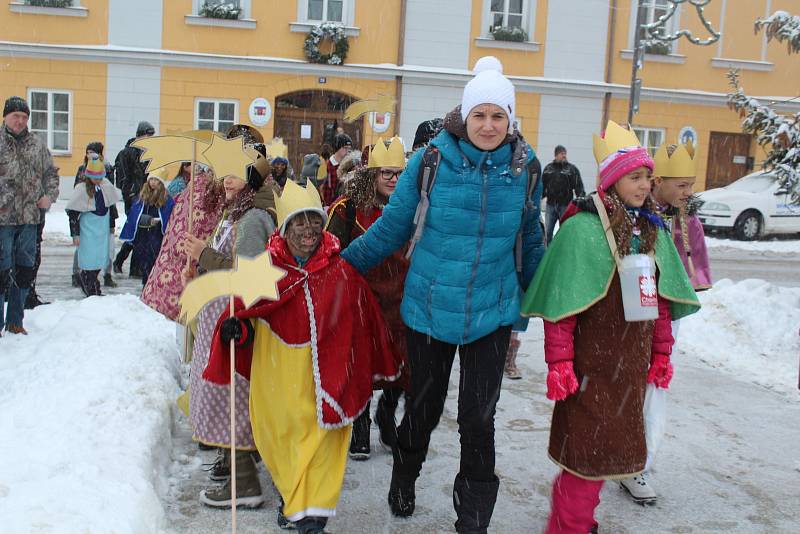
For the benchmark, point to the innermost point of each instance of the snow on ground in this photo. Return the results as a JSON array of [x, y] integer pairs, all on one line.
[[86, 408], [780, 246], [93, 442], [749, 328]]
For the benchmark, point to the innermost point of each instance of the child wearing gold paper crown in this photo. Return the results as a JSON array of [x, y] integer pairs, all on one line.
[[673, 179], [598, 362], [310, 361], [366, 194]]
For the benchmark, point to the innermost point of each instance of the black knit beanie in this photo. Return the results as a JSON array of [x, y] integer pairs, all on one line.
[[145, 128], [16, 103]]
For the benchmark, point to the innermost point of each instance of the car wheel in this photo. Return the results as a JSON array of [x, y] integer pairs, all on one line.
[[748, 226]]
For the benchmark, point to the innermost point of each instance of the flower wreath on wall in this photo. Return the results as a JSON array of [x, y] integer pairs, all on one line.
[[334, 33]]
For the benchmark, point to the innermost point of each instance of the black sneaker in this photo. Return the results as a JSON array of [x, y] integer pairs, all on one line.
[[283, 523], [402, 501]]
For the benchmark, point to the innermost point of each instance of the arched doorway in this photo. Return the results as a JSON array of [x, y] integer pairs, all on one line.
[[307, 119]]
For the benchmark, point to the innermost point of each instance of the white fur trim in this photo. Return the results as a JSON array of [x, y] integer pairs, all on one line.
[[312, 512], [297, 212]]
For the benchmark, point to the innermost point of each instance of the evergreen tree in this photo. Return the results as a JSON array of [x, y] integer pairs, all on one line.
[[778, 134]]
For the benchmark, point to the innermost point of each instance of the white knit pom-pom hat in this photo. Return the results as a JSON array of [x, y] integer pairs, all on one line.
[[489, 86]]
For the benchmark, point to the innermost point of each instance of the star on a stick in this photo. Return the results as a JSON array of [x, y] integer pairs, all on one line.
[[252, 279], [227, 157]]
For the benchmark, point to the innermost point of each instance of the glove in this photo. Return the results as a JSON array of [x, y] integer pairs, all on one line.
[[660, 372], [561, 381], [238, 330]]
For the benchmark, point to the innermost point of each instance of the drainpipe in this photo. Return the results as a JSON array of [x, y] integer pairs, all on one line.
[[612, 28], [398, 80]]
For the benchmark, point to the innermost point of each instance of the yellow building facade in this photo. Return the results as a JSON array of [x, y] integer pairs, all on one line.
[[93, 70]]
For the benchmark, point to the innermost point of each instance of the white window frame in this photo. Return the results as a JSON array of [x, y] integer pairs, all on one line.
[[528, 18], [348, 12], [673, 23], [646, 131], [247, 8], [50, 121], [216, 102]]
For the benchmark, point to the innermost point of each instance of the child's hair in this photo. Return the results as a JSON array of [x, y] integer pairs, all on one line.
[[153, 196], [89, 188], [622, 225]]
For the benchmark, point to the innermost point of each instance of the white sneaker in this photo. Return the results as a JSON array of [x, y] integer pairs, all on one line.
[[639, 490]]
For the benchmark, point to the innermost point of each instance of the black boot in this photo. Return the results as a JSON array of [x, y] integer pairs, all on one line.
[[33, 300], [474, 502], [384, 417], [312, 525], [359, 441], [89, 282], [402, 498], [76, 280], [108, 281]]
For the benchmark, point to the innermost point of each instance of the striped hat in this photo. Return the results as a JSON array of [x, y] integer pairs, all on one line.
[[95, 170]]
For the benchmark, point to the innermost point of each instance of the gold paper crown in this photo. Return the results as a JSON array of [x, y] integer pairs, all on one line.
[[394, 156], [296, 199], [276, 149], [680, 164], [614, 138]]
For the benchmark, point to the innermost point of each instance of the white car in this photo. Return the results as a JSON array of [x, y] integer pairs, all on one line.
[[751, 207]]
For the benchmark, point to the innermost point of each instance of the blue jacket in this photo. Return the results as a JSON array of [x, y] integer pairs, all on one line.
[[462, 283], [132, 223]]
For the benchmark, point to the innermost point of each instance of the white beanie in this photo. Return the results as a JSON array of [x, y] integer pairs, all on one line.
[[489, 86]]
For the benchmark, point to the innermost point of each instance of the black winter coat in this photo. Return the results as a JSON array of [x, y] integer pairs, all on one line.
[[130, 172], [562, 182]]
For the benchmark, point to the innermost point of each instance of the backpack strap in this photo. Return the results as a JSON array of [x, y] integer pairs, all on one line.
[[529, 206], [349, 219], [425, 180]]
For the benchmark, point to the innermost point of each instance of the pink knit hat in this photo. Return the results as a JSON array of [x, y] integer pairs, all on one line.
[[620, 163]]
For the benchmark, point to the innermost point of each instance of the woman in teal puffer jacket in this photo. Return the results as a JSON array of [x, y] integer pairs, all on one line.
[[462, 290]]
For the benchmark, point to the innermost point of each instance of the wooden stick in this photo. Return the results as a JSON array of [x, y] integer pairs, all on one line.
[[187, 350], [233, 428]]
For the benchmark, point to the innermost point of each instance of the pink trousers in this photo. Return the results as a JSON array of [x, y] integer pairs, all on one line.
[[574, 501]]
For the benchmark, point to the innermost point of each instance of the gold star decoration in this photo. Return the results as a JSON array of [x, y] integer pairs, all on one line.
[[252, 279], [227, 157]]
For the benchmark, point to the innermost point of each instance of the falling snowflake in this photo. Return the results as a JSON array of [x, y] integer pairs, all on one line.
[[647, 284]]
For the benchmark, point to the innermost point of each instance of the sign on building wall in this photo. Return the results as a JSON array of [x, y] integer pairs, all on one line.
[[380, 122], [687, 133], [260, 112]]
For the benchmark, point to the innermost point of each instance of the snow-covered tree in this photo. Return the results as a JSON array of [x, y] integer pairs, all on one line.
[[778, 134]]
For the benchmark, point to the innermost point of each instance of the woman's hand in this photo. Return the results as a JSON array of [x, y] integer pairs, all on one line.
[[193, 247]]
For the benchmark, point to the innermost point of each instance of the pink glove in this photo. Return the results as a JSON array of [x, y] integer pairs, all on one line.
[[660, 372], [561, 381]]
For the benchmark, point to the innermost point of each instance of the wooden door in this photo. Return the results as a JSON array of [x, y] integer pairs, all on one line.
[[728, 155], [307, 119]]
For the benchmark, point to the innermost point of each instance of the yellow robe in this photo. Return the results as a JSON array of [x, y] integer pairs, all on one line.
[[306, 462]]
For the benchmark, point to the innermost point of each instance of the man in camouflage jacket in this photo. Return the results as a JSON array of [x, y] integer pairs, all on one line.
[[28, 184]]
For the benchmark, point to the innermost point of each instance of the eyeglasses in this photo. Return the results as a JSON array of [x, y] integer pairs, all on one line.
[[388, 175]]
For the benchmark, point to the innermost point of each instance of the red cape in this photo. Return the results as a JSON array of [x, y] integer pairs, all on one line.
[[349, 343]]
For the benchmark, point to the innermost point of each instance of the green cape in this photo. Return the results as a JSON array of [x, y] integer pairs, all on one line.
[[577, 270]]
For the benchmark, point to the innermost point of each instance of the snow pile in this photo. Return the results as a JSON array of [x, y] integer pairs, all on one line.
[[777, 246], [750, 329], [85, 417]]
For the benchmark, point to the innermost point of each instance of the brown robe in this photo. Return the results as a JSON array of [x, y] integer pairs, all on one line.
[[598, 431]]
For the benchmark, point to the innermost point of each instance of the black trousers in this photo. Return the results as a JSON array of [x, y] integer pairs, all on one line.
[[431, 360]]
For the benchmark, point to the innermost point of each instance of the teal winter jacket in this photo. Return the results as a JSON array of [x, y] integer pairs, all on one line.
[[462, 283]]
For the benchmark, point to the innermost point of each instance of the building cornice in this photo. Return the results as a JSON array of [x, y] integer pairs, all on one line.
[[384, 71]]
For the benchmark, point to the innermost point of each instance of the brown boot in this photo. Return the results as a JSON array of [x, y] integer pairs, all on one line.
[[511, 358], [248, 487]]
